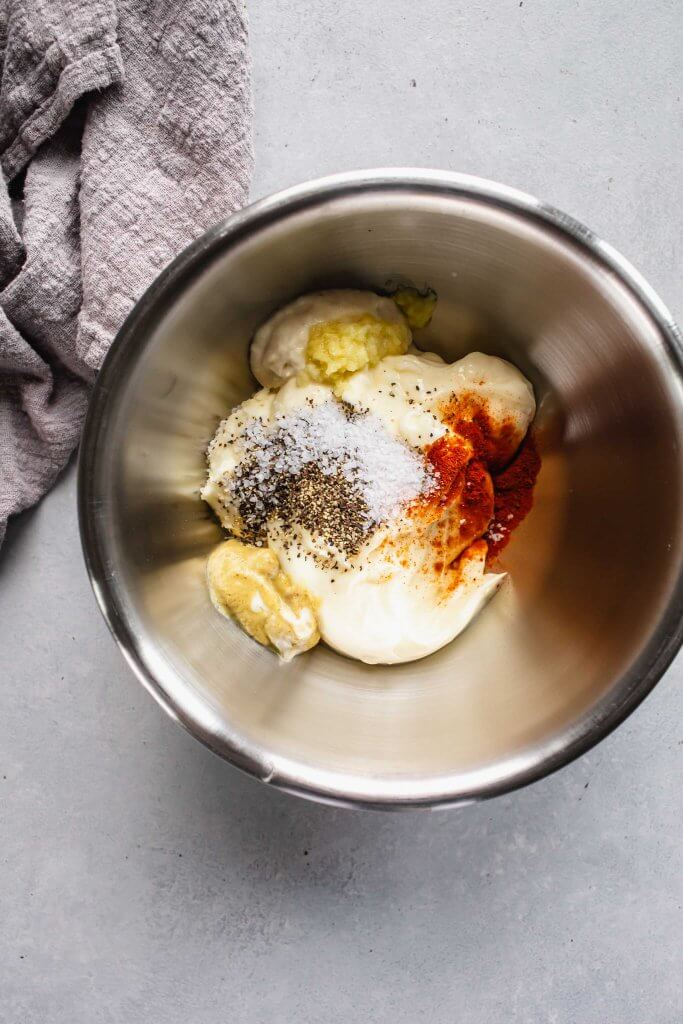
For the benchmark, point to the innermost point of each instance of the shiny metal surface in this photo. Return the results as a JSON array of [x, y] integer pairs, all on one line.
[[591, 614]]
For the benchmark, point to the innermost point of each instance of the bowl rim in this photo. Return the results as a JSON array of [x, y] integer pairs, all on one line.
[[294, 777]]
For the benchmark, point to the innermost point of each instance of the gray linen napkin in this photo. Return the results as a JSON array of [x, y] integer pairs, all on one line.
[[125, 131]]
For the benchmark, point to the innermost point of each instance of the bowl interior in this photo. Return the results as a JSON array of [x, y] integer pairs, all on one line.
[[592, 571]]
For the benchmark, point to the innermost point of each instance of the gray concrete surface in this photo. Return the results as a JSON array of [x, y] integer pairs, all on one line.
[[142, 880]]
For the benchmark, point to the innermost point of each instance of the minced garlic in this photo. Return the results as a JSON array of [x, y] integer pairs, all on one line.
[[337, 348]]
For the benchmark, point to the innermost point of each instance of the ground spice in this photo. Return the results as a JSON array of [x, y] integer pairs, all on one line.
[[329, 468], [513, 495], [477, 501], [328, 506], [493, 494], [492, 443], [448, 459]]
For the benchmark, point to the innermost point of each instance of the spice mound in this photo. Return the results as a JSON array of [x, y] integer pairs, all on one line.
[[368, 487], [326, 468]]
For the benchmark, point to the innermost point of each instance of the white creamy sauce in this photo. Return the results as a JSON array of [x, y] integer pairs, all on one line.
[[387, 613], [378, 610], [388, 388]]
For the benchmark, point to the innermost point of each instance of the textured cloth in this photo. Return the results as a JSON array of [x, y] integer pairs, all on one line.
[[125, 131]]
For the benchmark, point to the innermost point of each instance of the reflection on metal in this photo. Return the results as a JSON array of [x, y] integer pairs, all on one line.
[[591, 615]]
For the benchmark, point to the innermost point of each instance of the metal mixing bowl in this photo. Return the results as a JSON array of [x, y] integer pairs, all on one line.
[[591, 614]]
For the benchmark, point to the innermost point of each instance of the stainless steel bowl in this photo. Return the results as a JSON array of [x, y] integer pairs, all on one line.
[[591, 615]]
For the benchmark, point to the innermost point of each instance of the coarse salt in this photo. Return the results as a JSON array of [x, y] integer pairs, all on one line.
[[339, 441]]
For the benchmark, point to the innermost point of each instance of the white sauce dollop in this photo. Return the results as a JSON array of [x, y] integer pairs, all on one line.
[[380, 610], [388, 613], [278, 350]]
